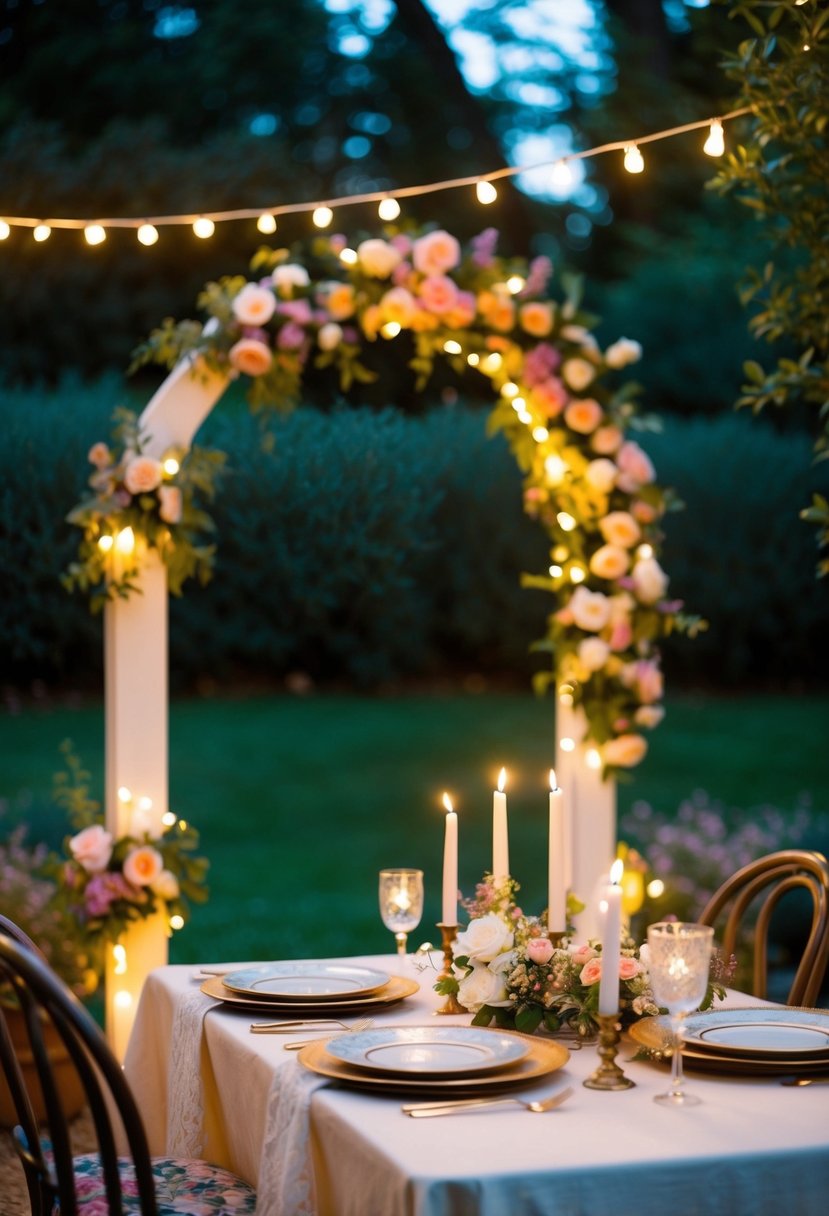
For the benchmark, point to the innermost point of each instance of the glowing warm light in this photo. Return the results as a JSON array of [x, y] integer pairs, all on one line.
[[168, 818], [5, 230], [42, 232], [561, 175], [182, 823], [515, 284], [176, 922], [389, 209], [447, 802], [502, 780], [124, 794], [94, 234], [119, 955], [473, 360], [553, 782], [509, 389], [492, 362], [715, 143], [655, 888], [123, 999], [145, 803], [402, 901], [125, 541], [561, 553], [555, 468], [565, 698], [204, 227], [556, 571], [592, 758], [540, 433], [452, 347], [634, 162], [147, 234], [519, 404], [322, 216], [567, 744], [486, 193], [523, 415], [644, 551], [391, 329], [577, 574], [348, 256], [566, 521], [171, 466], [266, 223], [616, 871], [105, 543]]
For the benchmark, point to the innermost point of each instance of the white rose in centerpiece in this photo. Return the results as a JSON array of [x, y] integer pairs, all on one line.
[[378, 258], [92, 848], [650, 582], [484, 938], [254, 305], [590, 609], [626, 751], [601, 474], [593, 653], [481, 987], [288, 276], [166, 886], [330, 336], [623, 352]]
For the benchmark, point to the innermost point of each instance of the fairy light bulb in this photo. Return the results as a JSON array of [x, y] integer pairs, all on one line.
[[566, 521], [204, 228], [349, 257], [5, 230], [168, 819], [567, 744], [592, 758], [123, 999], [389, 209], [42, 233], [555, 468], [715, 143], [170, 466], [94, 234], [561, 175], [148, 234], [105, 543], [655, 888], [176, 922], [515, 284], [391, 329], [540, 434], [556, 571], [266, 223], [634, 162], [486, 193], [124, 794], [119, 958], [577, 574], [452, 347], [473, 359], [125, 541], [322, 216], [510, 389]]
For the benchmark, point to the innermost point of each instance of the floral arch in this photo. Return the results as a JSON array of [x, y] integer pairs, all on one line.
[[565, 410]]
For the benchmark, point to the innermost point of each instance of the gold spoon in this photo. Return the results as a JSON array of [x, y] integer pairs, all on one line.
[[426, 1110]]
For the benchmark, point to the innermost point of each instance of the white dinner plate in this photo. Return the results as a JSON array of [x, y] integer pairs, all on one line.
[[428, 1050], [776, 1033], [299, 981]]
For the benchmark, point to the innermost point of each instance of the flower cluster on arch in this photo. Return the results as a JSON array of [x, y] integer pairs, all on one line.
[[567, 415]]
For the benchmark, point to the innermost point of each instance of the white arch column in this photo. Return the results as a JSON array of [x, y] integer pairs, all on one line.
[[136, 666]]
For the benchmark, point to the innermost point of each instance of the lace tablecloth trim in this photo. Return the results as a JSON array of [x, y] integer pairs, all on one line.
[[185, 1095], [286, 1175]]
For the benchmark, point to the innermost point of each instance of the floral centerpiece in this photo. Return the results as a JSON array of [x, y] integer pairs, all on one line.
[[513, 974]]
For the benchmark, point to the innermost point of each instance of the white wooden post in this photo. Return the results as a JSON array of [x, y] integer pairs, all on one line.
[[136, 695], [591, 804]]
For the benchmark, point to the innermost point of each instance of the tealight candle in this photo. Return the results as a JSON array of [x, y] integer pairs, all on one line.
[[556, 862], [449, 914], [611, 907], [500, 841]]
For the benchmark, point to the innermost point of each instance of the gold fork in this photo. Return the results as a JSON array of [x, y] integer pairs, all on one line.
[[298, 1024], [427, 1110], [363, 1024]]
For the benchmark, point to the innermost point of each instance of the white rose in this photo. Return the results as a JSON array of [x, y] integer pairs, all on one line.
[[166, 885], [593, 653], [649, 716], [378, 258], [623, 352], [254, 305], [330, 336], [483, 938], [650, 582], [578, 373], [481, 987], [288, 276], [590, 609]]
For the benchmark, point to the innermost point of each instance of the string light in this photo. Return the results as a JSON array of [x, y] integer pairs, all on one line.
[[95, 234], [592, 758], [105, 543], [204, 227], [119, 957], [515, 284], [391, 329], [168, 818], [566, 521], [486, 192], [124, 794], [567, 744], [125, 541], [170, 466], [634, 161], [389, 209], [556, 571], [473, 359], [266, 223], [5, 230], [176, 922], [577, 574], [715, 143], [349, 257], [452, 347]]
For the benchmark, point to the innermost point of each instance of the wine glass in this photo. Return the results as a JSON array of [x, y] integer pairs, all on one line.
[[679, 957], [401, 903]]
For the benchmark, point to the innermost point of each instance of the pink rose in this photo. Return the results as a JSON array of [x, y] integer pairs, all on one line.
[[591, 972], [540, 950], [170, 501], [438, 294], [251, 357], [254, 305], [650, 582], [296, 310], [99, 455], [142, 866], [628, 968], [606, 440], [583, 954], [626, 751], [643, 511], [142, 475], [290, 336], [463, 311], [550, 396], [398, 304], [92, 848], [104, 889], [621, 634], [635, 468], [436, 252], [583, 416]]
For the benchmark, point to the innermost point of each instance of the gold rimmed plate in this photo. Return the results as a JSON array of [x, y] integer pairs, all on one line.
[[429, 1051], [543, 1056], [782, 1034], [312, 980], [396, 989], [654, 1034]]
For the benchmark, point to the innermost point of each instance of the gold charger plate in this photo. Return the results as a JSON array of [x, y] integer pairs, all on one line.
[[654, 1033], [397, 989], [544, 1056]]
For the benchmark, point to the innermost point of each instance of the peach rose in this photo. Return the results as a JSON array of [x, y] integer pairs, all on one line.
[[621, 634], [601, 474], [578, 373], [610, 561], [623, 352], [497, 309], [436, 252], [540, 950], [536, 319], [462, 313], [340, 301], [620, 528], [606, 440], [371, 321], [288, 276], [550, 397], [582, 954], [626, 751], [650, 582], [591, 972], [438, 293], [92, 848], [629, 968], [378, 258], [635, 468], [143, 866], [254, 305], [398, 305], [99, 455], [583, 416], [643, 512], [649, 716], [593, 653], [645, 677], [166, 885], [330, 336], [590, 609], [170, 507], [142, 475], [250, 356]]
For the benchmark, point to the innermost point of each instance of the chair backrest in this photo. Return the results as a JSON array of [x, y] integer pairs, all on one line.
[[42, 999], [767, 880]]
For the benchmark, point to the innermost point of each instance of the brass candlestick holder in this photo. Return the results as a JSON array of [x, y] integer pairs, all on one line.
[[608, 1075], [448, 933], [556, 937]]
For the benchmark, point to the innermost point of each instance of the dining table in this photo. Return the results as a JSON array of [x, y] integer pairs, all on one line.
[[207, 1086]]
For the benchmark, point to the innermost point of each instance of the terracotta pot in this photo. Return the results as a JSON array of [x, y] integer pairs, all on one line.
[[66, 1078]]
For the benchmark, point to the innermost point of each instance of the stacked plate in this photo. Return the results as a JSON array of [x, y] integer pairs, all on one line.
[[461, 1060], [308, 988], [751, 1041]]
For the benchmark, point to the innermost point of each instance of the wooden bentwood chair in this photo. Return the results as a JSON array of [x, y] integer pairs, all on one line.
[[135, 1185], [767, 880]]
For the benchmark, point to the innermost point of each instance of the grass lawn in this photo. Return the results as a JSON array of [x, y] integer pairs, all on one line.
[[300, 801]]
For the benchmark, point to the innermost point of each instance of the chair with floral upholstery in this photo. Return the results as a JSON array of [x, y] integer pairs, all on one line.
[[103, 1182], [760, 886]]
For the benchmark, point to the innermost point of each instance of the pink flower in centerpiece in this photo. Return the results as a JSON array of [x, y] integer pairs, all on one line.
[[92, 848], [463, 311], [436, 252], [170, 501], [290, 336], [104, 889], [398, 304], [583, 416], [620, 528], [590, 609], [99, 455], [250, 356], [626, 751], [254, 305], [635, 467], [645, 678], [609, 562], [549, 396], [536, 318], [591, 972], [297, 310], [539, 363], [601, 474], [438, 293], [606, 440], [629, 968], [143, 865], [540, 950], [378, 258], [583, 954], [541, 269], [142, 475], [650, 582], [483, 247]]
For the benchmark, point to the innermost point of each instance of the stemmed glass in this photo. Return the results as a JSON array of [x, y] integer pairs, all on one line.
[[401, 903], [679, 957]]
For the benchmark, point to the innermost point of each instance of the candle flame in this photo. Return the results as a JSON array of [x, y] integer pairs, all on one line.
[[120, 956], [502, 780], [553, 782], [616, 871], [447, 802]]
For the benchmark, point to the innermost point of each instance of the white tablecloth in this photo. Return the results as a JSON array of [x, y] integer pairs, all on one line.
[[752, 1147]]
